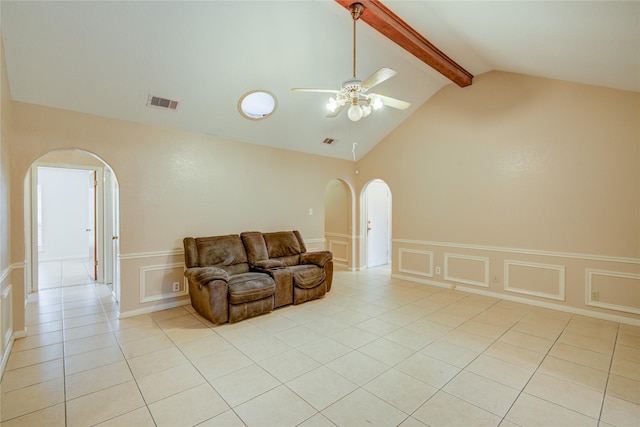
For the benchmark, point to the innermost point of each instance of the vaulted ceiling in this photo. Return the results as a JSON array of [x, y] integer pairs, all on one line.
[[107, 57]]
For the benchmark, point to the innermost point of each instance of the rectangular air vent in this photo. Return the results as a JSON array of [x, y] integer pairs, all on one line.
[[165, 104], [328, 141]]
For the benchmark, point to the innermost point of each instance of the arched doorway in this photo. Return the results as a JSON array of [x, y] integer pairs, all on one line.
[[377, 222], [339, 217], [103, 226]]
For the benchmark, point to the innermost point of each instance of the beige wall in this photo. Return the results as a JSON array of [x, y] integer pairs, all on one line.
[[521, 164], [11, 283], [175, 184], [5, 161]]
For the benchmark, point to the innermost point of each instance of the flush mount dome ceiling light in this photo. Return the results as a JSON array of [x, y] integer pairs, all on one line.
[[257, 104]]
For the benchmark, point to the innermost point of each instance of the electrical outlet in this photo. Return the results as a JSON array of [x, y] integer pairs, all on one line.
[[495, 278], [437, 270], [176, 286], [595, 296]]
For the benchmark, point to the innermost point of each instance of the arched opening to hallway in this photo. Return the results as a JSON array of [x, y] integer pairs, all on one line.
[[71, 229]]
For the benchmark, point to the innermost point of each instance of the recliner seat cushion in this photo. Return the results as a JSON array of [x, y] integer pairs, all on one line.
[[307, 276], [250, 287]]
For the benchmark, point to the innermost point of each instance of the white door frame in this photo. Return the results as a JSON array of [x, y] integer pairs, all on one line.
[[111, 233]]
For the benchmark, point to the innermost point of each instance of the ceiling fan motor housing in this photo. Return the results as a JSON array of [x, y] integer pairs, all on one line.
[[352, 85]]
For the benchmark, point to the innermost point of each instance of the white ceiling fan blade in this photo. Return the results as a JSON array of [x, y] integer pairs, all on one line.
[[378, 77], [391, 102], [300, 89], [335, 112]]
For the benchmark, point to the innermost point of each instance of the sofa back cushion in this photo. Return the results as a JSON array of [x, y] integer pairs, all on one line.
[[284, 246], [303, 248], [255, 246], [226, 252]]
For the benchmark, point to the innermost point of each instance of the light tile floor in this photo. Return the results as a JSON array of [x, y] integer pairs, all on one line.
[[375, 351], [54, 274]]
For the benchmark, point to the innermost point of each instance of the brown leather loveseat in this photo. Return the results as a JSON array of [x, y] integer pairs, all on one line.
[[299, 275], [234, 277]]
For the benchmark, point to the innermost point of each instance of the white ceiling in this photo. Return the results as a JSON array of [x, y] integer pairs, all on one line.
[[106, 57]]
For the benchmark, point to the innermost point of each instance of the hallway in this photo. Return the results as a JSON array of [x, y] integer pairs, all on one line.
[[54, 274]]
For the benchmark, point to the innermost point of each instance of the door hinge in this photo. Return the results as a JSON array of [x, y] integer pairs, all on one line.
[[95, 263], [95, 183]]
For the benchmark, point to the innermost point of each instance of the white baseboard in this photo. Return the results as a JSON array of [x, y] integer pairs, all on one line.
[[7, 351], [5, 357], [20, 334], [147, 310]]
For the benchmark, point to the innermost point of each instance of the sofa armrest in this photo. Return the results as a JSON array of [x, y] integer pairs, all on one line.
[[267, 264], [203, 275], [318, 258]]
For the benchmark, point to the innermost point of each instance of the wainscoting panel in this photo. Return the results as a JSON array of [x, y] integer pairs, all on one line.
[[613, 290], [541, 280], [156, 282], [341, 245], [6, 316], [558, 280], [467, 269], [414, 261], [340, 251]]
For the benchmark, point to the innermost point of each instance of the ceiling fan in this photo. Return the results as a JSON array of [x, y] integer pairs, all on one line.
[[354, 92]]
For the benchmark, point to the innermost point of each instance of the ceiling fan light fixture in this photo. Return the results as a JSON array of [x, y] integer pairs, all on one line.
[[366, 110], [332, 104], [377, 103], [355, 112]]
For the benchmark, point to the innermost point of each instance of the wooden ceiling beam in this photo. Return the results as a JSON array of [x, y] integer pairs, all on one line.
[[395, 29]]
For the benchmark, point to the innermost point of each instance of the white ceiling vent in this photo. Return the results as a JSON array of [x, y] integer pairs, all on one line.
[[328, 141], [165, 104]]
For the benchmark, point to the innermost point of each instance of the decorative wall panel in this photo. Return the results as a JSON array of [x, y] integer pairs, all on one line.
[[414, 261], [467, 269], [541, 280]]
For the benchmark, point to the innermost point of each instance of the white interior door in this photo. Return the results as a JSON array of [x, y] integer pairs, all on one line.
[[378, 208], [65, 216]]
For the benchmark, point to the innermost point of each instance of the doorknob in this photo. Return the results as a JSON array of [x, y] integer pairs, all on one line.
[[114, 238], [88, 229]]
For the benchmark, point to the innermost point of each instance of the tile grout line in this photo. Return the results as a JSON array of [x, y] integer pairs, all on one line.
[[606, 384], [470, 362], [536, 370]]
